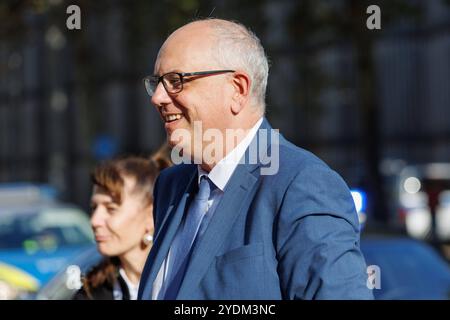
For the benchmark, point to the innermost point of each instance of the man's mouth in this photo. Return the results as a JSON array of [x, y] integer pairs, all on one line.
[[172, 117]]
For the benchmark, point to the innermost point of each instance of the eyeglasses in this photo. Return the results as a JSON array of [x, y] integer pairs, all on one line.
[[173, 81]]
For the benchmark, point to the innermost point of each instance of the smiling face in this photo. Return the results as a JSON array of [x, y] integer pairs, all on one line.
[[204, 99], [119, 228]]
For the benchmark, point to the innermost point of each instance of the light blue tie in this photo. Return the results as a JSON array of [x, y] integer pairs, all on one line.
[[184, 239]]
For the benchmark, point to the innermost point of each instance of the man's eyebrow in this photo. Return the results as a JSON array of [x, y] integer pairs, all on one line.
[[171, 71]]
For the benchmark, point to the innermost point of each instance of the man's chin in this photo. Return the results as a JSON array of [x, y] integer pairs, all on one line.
[[172, 143]]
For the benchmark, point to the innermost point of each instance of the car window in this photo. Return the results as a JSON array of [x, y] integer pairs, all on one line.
[[66, 283], [45, 229]]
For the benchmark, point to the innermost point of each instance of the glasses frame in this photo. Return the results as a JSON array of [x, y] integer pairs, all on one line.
[[181, 75]]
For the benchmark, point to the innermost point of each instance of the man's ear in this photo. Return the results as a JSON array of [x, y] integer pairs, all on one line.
[[241, 83]]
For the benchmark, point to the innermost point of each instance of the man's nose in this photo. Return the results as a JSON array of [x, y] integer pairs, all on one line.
[[160, 97]]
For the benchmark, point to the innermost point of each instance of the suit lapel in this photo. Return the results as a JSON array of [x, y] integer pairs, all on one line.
[[236, 196], [233, 203], [166, 233]]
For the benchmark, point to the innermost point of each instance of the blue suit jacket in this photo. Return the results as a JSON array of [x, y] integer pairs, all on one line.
[[292, 235]]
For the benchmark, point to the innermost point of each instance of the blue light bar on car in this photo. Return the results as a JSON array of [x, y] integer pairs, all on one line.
[[359, 198]]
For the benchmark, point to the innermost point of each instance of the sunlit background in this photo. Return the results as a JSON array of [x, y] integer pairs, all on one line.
[[374, 104]]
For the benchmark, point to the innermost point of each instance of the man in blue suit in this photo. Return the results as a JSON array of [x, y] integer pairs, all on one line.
[[257, 217]]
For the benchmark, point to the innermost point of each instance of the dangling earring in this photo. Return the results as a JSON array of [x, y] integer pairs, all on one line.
[[147, 239]]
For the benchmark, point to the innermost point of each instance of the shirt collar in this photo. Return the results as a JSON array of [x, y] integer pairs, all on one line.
[[222, 171], [126, 279], [132, 288]]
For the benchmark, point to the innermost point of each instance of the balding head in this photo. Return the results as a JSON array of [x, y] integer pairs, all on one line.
[[190, 42], [230, 45]]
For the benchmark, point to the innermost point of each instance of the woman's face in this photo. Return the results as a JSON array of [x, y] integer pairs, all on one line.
[[119, 229]]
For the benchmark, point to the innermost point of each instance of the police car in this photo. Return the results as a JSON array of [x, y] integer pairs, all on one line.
[[38, 236]]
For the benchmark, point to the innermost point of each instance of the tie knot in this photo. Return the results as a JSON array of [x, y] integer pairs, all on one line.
[[205, 188]]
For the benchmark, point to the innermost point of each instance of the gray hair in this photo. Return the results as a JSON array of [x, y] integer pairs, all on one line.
[[240, 49]]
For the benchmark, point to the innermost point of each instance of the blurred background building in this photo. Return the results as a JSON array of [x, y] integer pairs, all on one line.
[[368, 102], [374, 104]]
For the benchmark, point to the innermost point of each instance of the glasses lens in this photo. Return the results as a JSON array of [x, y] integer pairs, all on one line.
[[172, 82], [150, 85]]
